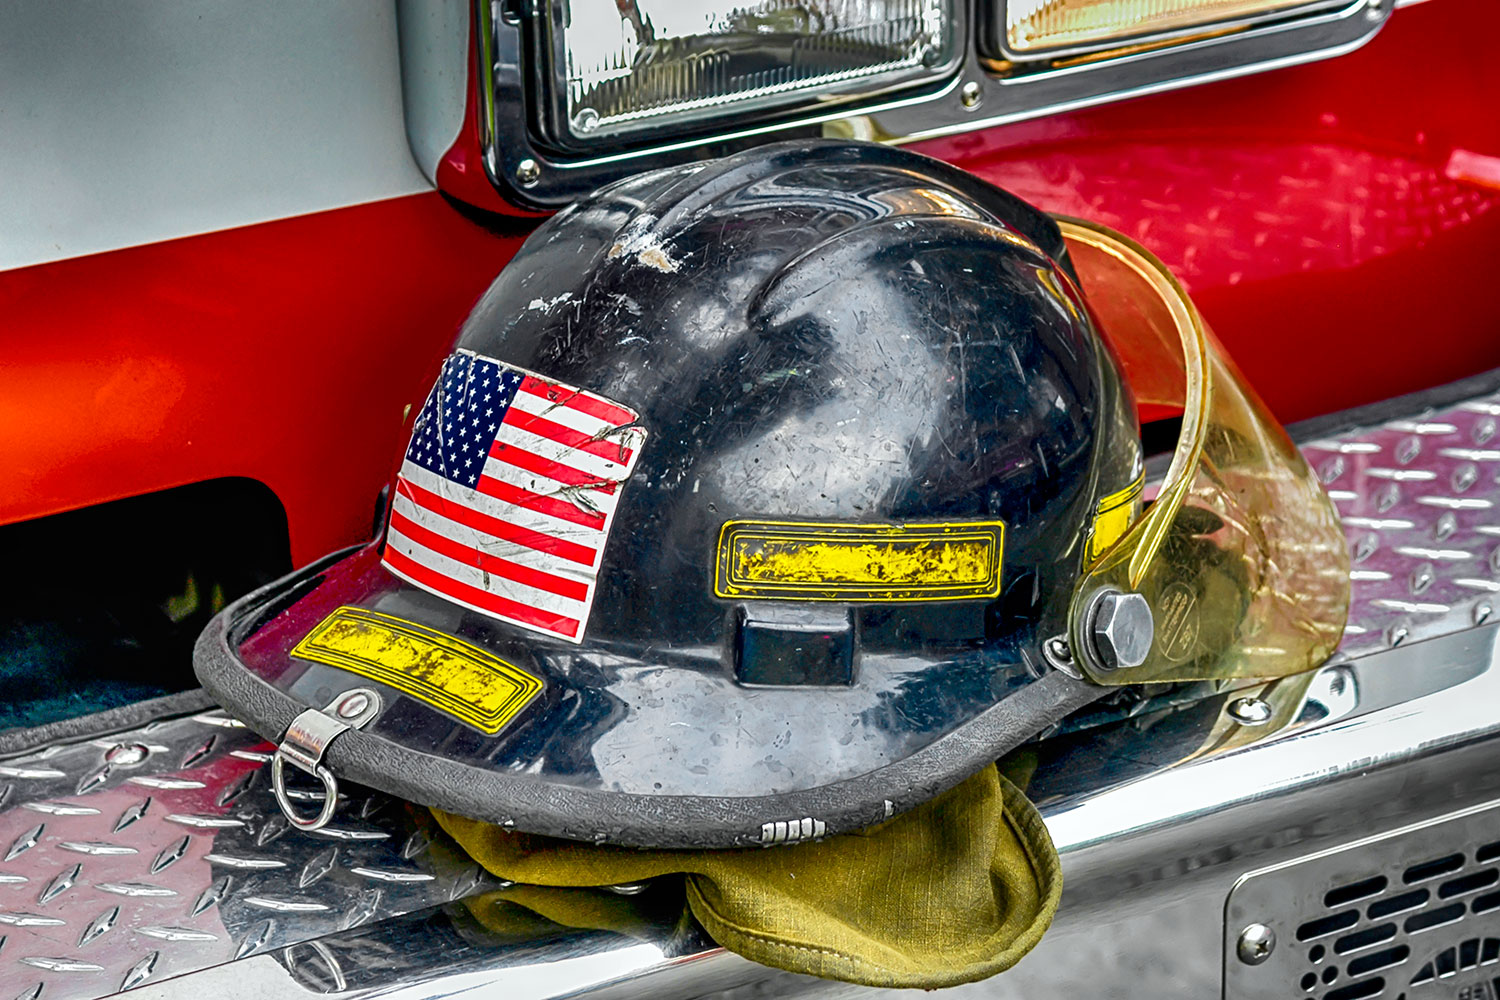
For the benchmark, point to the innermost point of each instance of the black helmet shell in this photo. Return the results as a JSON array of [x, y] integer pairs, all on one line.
[[821, 341]]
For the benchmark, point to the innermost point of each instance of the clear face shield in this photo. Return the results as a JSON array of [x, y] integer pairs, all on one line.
[[1241, 558]]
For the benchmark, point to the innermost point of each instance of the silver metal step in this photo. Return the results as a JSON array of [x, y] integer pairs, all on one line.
[[156, 859]]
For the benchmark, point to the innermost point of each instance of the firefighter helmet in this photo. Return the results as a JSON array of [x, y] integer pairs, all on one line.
[[756, 502]]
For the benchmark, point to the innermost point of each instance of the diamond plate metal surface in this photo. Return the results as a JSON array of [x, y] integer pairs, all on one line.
[[134, 858], [128, 860], [1420, 499]]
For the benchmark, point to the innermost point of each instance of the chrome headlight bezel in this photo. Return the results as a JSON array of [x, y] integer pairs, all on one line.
[[534, 169], [546, 37]]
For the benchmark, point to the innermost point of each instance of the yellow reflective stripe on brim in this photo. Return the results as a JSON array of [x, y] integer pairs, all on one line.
[[449, 674], [838, 561], [1113, 515]]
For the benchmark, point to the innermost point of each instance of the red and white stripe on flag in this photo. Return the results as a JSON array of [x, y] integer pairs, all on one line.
[[507, 493]]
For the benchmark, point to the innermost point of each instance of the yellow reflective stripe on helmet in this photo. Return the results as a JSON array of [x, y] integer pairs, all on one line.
[[836, 561], [450, 675], [1113, 516]]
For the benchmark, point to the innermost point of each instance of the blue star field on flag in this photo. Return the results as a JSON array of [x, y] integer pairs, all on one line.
[[456, 428]]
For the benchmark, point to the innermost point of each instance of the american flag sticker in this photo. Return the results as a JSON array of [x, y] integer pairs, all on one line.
[[505, 499]]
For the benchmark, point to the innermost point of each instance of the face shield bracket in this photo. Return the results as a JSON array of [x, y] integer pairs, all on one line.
[[1239, 567]]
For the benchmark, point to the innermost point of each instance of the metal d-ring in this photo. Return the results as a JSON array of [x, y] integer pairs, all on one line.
[[303, 746], [330, 791]]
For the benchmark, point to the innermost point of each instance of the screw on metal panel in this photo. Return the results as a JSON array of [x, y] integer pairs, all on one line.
[[970, 95], [1255, 944], [1120, 629], [528, 172], [1250, 711]]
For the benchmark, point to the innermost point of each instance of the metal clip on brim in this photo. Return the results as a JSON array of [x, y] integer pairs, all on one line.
[[304, 744]]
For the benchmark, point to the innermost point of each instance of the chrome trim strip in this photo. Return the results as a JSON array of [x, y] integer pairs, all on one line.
[[434, 40], [1149, 38], [972, 99]]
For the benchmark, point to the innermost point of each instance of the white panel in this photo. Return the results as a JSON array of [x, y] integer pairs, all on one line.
[[131, 121], [434, 74]]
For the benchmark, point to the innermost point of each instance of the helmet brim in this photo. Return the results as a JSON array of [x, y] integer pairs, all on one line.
[[404, 759]]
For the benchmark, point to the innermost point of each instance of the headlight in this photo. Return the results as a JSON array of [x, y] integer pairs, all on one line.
[[577, 93], [1053, 27], [616, 68]]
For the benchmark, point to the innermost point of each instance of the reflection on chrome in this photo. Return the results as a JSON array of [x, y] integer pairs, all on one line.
[[636, 60]]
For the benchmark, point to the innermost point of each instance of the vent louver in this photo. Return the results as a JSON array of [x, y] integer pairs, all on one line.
[[1412, 915]]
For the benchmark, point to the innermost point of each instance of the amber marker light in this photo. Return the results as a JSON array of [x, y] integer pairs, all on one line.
[[1040, 26]]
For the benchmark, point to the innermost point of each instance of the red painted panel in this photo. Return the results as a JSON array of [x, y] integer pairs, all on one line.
[[285, 352], [1337, 222]]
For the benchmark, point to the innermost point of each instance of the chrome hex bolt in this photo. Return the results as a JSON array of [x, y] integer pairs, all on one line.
[[1120, 629]]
